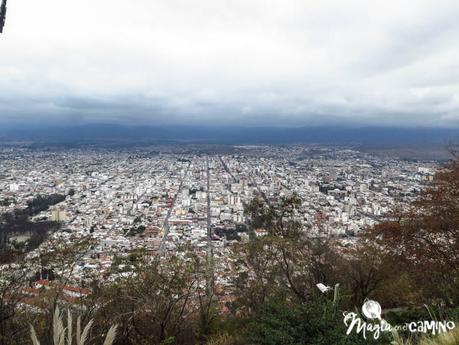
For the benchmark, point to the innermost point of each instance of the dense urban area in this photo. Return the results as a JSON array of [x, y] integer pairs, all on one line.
[[76, 220], [125, 201]]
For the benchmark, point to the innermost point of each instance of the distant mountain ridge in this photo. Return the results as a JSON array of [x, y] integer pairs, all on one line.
[[367, 136]]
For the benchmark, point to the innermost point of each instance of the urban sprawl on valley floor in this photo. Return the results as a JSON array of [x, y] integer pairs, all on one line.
[[156, 199]]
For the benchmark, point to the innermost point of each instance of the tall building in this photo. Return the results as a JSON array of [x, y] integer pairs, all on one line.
[[59, 215]]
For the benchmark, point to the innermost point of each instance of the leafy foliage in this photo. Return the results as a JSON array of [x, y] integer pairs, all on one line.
[[316, 322]]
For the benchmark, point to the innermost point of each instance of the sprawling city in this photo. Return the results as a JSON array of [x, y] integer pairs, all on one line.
[[159, 199]]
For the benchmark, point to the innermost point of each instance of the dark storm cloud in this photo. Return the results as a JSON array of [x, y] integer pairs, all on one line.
[[253, 62]]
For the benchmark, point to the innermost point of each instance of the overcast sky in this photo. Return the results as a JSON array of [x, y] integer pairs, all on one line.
[[249, 62]]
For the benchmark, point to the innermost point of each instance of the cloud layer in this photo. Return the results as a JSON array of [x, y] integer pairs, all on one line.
[[249, 62]]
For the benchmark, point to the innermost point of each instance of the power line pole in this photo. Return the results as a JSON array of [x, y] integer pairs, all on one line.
[[2, 15]]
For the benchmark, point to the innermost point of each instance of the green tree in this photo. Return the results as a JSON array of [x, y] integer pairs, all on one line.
[[312, 323]]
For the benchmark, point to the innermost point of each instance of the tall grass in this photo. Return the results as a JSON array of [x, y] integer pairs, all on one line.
[[398, 340], [449, 338], [64, 336]]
